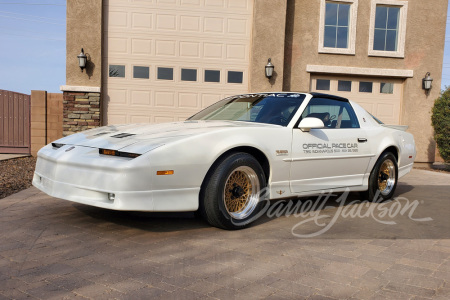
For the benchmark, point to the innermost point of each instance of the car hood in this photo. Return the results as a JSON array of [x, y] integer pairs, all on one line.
[[141, 138]]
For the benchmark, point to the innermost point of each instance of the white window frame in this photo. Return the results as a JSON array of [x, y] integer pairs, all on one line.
[[401, 28], [351, 32]]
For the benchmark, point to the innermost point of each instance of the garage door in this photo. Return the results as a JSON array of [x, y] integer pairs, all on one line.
[[164, 60], [382, 97]]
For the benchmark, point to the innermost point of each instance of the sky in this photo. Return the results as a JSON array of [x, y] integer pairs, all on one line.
[[33, 46]]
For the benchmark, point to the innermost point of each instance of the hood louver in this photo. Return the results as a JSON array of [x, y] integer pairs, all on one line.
[[122, 135]]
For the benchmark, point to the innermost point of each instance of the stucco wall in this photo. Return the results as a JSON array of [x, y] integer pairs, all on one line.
[[269, 21], [425, 38], [84, 30]]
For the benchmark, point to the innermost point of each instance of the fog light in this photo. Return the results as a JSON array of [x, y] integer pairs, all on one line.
[[111, 197]]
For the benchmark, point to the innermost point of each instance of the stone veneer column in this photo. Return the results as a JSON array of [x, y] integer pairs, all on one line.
[[81, 111]]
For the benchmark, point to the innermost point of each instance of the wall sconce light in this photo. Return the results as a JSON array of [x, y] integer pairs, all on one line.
[[269, 68], [426, 82], [82, 59]]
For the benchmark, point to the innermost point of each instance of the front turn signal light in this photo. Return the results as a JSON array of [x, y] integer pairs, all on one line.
[[118, 153], [108, 152], [167, 172]]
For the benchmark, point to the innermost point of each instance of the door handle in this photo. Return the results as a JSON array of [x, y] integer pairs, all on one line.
[[362, 140]]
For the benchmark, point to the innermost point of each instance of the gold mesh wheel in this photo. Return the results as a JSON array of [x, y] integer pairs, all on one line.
[[241, 192], [386, 177]]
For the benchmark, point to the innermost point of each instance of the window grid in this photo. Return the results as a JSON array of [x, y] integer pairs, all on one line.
[[337, 26], [379, 39], [386, 30]]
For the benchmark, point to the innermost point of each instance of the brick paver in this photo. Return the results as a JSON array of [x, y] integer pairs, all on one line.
[[54, 249]]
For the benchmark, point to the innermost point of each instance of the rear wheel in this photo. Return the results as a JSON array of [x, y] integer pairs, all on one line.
[[230, 197], [383, 178]]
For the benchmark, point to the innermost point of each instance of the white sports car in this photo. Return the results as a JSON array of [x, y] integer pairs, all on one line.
[[228, 158]]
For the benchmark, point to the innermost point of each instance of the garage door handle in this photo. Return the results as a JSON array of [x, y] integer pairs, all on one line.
[[362, 140]]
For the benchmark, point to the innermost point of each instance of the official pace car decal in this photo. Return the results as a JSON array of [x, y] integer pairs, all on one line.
[[330, 148]]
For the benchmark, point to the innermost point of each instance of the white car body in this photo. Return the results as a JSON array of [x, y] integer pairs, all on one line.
[[299, 163]]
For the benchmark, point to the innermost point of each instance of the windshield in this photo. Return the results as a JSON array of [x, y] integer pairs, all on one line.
[[276, 109]]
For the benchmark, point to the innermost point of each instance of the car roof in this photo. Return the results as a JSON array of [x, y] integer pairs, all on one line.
[[334, 97]]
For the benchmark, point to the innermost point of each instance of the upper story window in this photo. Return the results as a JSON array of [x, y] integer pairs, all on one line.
[[337, 31], [388, 28]]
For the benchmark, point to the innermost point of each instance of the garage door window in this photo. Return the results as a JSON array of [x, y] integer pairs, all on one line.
[[323, 85], [141, 72], [212, 76], [116, 71], [344, 86], [235, 77], [386, 88], [188, 75], [165, 73], [365, 87], [333, 113]]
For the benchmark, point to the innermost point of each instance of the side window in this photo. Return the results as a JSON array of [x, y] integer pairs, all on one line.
[[333, 113]]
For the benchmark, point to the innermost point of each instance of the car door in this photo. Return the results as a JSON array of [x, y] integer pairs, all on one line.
[[331, 157]]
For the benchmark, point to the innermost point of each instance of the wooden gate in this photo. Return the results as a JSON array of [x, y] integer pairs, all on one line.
[[14, 122]]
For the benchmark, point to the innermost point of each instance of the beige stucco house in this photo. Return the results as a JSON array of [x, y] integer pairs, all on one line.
[[163, 60]]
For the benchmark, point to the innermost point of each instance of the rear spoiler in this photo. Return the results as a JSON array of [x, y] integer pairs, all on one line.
[[398, 127]]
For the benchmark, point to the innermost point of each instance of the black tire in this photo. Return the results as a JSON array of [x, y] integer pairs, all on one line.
[[230, 195], [383, 179]]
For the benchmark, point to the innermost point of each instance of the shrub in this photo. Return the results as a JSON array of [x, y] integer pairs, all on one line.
[[441, 123]]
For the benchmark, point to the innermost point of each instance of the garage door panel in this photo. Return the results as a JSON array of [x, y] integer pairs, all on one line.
[[385, 110], [116, 118], [143, 21], [213, 25], [367, 106], [165, 47], [190, 23], [141, 98], [140, 119], [214, 3], [164, 99], [189, 3], [141, 46], [117, 96], [189, 49], [188, 100]]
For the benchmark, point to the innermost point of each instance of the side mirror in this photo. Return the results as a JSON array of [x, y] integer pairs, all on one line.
[[310, 123]]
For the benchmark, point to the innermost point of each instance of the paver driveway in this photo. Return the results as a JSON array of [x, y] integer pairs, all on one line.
[[54, 249]]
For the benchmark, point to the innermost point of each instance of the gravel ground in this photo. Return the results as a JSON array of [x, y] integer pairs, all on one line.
[[16, 175]]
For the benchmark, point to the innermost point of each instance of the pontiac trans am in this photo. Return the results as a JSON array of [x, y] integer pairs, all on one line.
[[226, 160]]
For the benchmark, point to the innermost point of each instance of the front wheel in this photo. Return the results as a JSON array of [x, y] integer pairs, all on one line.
[[230, 197], [383, 178]]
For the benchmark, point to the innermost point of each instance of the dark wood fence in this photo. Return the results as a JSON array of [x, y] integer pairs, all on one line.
[[14, 122]]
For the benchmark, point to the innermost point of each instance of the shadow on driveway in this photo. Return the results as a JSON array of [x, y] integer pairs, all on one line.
[[417, 212]]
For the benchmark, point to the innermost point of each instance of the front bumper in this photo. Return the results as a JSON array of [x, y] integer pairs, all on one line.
[[83, 176], [173, 200]]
